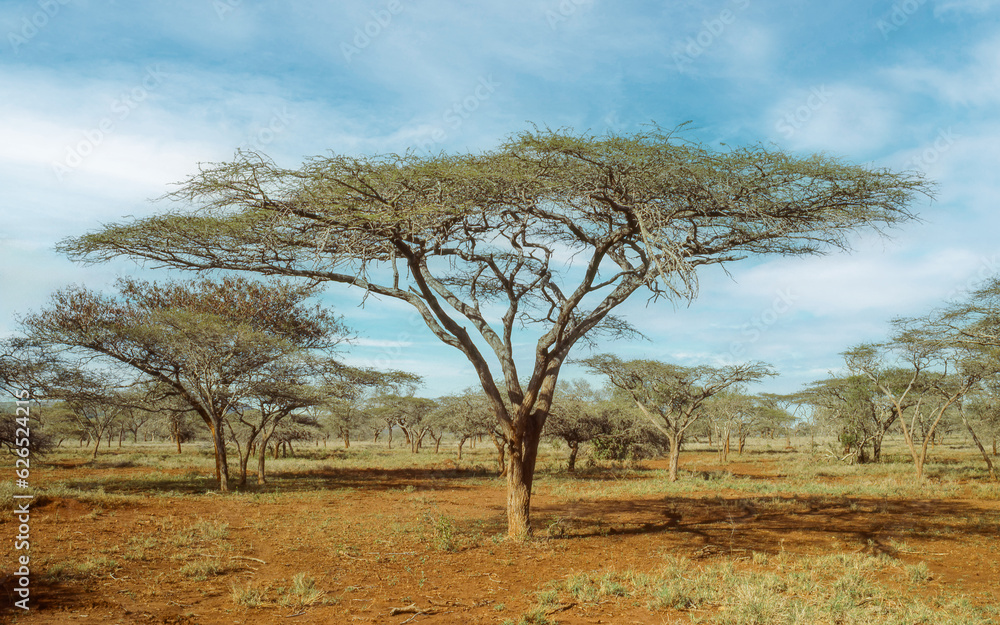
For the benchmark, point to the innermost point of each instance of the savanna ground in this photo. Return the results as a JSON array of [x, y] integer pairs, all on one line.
[[371, 536]]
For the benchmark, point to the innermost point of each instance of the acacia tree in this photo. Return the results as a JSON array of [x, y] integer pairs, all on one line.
[[938, 374], [461, 237], [277, 390], [974, 325], [467, 416], [670, 396], [731, 410], [205, 340], [577, 418], [410, 414], [860, 409], [26, 368], [173, 413]]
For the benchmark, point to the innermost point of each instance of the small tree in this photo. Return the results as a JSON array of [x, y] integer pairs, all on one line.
[[859, 410], [939, 373], [205, 340], [576, 418], [467, 416], [409, 413], [671, 397]]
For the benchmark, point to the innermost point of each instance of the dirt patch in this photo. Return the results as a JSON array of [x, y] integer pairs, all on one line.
[[363, 543]]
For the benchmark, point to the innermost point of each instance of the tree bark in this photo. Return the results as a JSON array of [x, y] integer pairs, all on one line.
[[877, 447], [520, 476], [221, 463], [501, 446], [262, 456], [574, 447], [982, 450], [675, 454]]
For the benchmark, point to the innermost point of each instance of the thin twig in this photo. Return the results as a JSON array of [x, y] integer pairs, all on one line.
[[410, 609], [247, 558]]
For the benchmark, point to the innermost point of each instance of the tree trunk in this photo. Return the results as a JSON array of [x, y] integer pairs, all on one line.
[[461, 442], [573, 448], [262, 456], [982, 450], [520, 475], [501, 446], [221, 463], [675, 454], [244, 460], [877, 447]]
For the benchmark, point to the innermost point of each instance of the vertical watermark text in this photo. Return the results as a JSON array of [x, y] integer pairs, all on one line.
[[22, 500]]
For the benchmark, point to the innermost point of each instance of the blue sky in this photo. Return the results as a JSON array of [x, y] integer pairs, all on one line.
[[105, 104]]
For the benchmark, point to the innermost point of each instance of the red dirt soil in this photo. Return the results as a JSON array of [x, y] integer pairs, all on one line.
[[372, 548]]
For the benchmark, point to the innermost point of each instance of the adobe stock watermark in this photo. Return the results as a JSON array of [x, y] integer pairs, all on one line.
[[898, 15], [760, 324], [33, 24], [392, 350], [988, 268], [22, 501], [712, 29], [455, 115], [365, 34], [119, 110], [266, 134], [930, 155], [565, 10], [791, 121], [225, 7]]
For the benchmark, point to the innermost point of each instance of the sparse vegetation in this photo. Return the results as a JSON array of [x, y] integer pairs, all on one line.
[[780, 537]]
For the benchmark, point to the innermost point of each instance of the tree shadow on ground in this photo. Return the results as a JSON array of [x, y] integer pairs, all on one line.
[[766, 523], [318, 480]]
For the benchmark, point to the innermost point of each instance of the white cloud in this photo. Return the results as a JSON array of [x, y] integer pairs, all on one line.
[[975, 7], [971, 84], [841, 118]]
